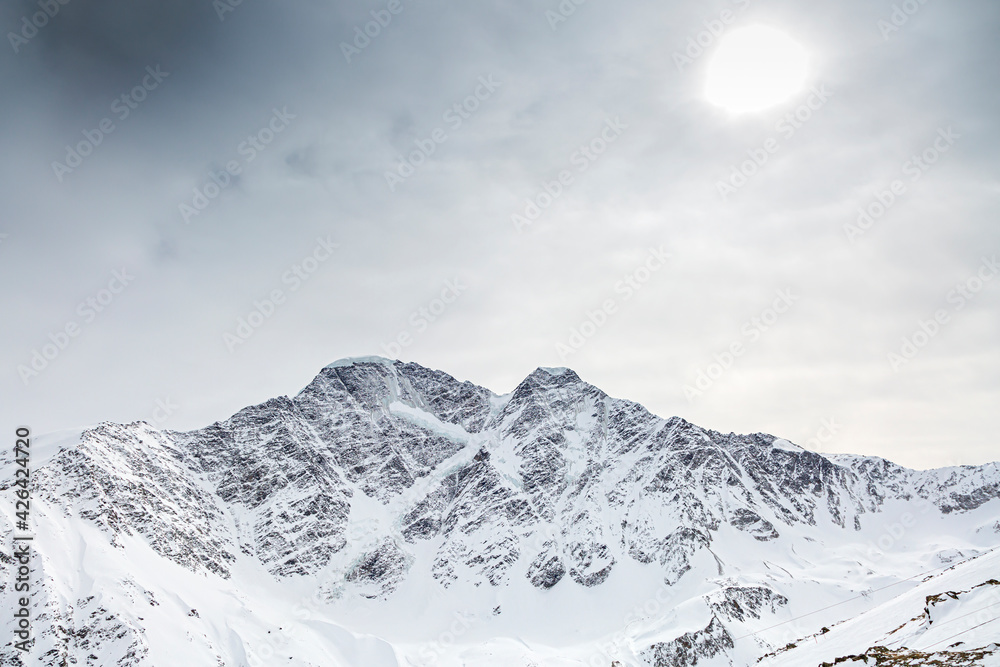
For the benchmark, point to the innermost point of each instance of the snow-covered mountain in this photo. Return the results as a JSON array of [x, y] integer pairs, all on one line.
[[390, 515]]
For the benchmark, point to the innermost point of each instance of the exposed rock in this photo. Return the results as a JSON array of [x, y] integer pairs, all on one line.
[[690, 647]]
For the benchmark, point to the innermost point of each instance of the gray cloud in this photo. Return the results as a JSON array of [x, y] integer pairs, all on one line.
[[324, 174]]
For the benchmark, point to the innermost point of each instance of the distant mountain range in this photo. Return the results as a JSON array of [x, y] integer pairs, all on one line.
[[391, 515]]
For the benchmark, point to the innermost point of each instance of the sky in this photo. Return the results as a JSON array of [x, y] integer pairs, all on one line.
[[203, 203]]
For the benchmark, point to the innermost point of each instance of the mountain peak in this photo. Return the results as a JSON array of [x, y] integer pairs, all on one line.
[[556, 371], [357, 361], [557, 376]]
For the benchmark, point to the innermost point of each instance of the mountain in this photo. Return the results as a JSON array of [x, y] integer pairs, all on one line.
[[391, 515]]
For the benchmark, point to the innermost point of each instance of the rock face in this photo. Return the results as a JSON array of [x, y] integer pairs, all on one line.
[[555, 484], [132, 480], [739, 603], [691, 647]]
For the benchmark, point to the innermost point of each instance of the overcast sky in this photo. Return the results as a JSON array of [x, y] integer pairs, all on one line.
[[117, 115]]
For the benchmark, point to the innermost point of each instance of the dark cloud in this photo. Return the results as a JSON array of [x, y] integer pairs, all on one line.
[[91, 43]]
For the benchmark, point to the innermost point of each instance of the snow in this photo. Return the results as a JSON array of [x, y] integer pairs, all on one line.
[[429, 421], [785, 445], [351, 361], [43, 447], [895, 622]]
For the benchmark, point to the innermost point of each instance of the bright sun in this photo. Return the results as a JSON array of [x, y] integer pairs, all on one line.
[[755, 68]]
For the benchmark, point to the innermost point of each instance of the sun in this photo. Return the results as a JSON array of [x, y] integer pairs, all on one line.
[[754, 68]]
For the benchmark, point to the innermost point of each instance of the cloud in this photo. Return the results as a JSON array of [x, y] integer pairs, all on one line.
[[657, 184]]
